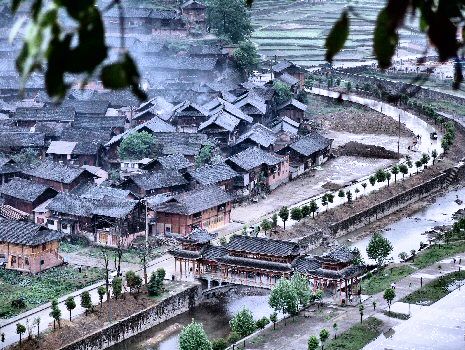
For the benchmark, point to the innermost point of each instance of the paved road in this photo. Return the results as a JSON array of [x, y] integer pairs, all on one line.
[[9, 326]]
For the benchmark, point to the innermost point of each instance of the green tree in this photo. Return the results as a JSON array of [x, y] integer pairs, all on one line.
[[193, 337], [229, 19], [318, 296], [137, 146], [296, 214], [246, 56], [243, 323], [403, 256], [284, 298], [380, 175], [274, 221], [374, 305], [274, 319], [418, 165], [155, 285], [395, 171], [300, 284], [403, 169], [55, 313], [101, 291], [219, 344], [425, 159], [349, 196], [117, 285], [313, 208], [389, 295], [305, 210], [379, 248], [335, 329], [284, 215], [134, 281], [205, 155], [361, 308], [324, 200], [70, 305], [364, 185], [313, 343], [20, 330], [388, 177], [27, 156], [86, 301], [266, 225], [434, 155], [341, 194], [324, 335], [283, 92], [372, 180]]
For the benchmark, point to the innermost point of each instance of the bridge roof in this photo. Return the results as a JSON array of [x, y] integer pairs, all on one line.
[[265, 246], [254, 263]]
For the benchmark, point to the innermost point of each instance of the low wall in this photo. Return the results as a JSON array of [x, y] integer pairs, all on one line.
[[390, 205], [137, 323]]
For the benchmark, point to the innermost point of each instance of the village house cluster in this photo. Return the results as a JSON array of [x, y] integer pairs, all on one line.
[[60, 168]]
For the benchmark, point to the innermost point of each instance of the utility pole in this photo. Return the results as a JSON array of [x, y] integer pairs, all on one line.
[[146, 224]]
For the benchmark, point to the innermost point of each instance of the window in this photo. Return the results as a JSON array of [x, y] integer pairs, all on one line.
[[13, 259], [197, 215], [51, 222], [64, 226], [42, 262], [168, 229], [26, 261], [40, 221]]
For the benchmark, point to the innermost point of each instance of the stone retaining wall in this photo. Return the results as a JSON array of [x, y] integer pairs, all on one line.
[[137, 323], [389, 206]]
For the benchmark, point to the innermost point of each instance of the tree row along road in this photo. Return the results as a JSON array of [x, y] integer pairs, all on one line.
[[43, 312], [411, 121]]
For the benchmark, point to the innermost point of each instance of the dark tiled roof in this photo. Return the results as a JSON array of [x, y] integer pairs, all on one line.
[[67, 203], [26, 233], [223, 120], [99, 192], [213, 174], [288, 79], [254, 157], [23, 189], [7, 165], [50, 129], [254, 263], [192, 4], [190, 109], [158, 180], [187, 254], [213, 252], [295, 103], [251, 104], [88, 141], [99, 107], [21, 139], [259, 134], [312, 266], [174, 162], [157, 200], [55, 172], [195, 201], [311, 143], [199, 236], [164, 14], [265, 246], [60, 114], [98, 123], [340, 254], [279, 67], [180, 63], [217, 105]]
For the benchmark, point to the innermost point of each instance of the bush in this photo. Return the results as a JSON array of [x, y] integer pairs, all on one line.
[[243, 323], [233, 337], [18, 303], [219, 344], [261, 323]]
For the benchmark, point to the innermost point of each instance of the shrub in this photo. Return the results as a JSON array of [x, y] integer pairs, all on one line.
[[261, 323], [219, 344], [233, 337]]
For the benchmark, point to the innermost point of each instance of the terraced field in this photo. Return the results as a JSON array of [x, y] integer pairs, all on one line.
[[296, 30]]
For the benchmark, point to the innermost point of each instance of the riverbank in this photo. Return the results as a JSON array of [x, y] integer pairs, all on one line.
[[114, 321]]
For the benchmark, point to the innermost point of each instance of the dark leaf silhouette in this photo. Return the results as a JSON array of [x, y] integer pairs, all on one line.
[[337, 37]]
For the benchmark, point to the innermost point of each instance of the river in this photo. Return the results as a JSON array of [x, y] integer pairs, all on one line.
[[406, 234], [214, 315]]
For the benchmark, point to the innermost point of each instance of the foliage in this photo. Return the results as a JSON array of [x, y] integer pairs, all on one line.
[[205, 156], [56, 313], [379, 248], [349, 196], [283, 297], [155, 285], [435, 290], [357, 336], [283, 92], [301, 286], [262, 322], [230, 19], [305, 211], [20, 329], [117, 286], [403, 256], [302, 96], [35, 290], [233, 338], [389, 295], [246, 56], [134, 281], [296, 214], [380, 175], [337, 37], [324, 335], [101, 291], [403, 169], [437, 253], [219, 344], [266, 225], [274, 318], [341, 194], [314, 207], [383, 279], [372, 180], [358, 258], [193, 337], [70, 305], [86, 301], [27, 156], [274, 221], [137, 146], [284, 215], [68, 37], [243, 323], [313, 343]]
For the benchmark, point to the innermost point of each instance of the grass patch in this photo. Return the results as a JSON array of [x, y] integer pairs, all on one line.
[[383, 279], [357, 336], [436, 289], [398, 315], [436, 253], [38, 289]]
